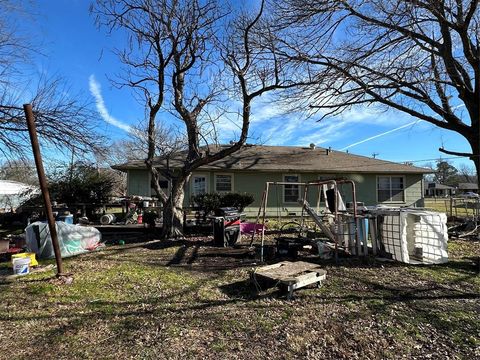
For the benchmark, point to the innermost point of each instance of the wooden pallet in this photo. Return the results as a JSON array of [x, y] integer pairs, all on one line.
[[291, 274]]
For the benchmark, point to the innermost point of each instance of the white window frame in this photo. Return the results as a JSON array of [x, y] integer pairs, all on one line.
[[283, 190], [192, 183], [223, 191], [403, 190]]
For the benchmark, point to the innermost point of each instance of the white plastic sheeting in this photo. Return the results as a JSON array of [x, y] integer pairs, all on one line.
[[413, 236], [73, 239], [13, 194]]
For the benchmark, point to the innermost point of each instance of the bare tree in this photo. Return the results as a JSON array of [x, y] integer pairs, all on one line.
[[466, 173], [421, 57], [62, 121], [174, 57], [168, 140], [19, 170]]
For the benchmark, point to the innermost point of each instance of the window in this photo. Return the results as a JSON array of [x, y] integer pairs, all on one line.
[[291, 193], [199, 184], [390, 189], [164, 184], [223, 183]]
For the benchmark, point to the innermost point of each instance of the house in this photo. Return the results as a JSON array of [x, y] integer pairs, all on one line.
[[438, 190], [467, 187], [246, 171]]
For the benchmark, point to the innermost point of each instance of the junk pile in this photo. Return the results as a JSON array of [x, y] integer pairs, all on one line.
[[468, 225], [467, 229], [409, 235], [73, 239]]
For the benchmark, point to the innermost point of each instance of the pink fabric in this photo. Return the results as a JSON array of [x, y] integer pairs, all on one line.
[[249, 228]]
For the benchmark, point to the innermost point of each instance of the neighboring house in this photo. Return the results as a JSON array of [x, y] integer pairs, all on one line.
[[439, 190], [467, 187], [13, 194], [246, 171]]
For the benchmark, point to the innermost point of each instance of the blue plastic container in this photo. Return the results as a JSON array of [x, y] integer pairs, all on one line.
[[68, 219]]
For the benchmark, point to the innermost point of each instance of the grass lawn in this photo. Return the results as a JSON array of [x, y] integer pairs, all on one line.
[[461, 208], [187, 300]]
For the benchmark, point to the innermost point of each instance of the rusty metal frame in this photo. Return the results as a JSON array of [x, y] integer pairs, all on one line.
[[263, 207]]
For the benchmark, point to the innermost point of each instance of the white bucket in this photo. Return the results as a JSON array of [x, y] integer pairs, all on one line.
[[21, 266]]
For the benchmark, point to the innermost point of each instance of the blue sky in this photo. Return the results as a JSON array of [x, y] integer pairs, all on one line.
[[74, 48]]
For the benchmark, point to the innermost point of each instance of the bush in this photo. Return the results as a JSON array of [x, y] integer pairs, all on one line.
[[236, 200], [209, 202], [81, 183]]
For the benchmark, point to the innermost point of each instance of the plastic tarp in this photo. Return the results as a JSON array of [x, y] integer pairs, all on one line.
[[73, 239]]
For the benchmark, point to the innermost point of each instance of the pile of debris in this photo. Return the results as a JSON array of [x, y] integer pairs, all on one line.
[[409, 235]]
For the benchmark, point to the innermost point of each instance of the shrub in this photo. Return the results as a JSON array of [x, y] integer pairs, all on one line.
[[236, 200], [81, 183], [210, 202], [207, 202]]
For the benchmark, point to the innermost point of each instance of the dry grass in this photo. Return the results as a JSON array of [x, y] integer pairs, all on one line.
[[187, 300], [460, 208]]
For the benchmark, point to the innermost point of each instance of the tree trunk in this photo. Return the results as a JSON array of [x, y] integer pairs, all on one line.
[[173, 210], [476, 160], [475, 145]]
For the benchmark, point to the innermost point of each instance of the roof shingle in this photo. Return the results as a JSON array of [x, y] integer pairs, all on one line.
[[289, 158]]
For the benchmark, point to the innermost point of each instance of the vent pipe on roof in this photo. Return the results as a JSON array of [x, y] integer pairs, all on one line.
[[329, 150], [312, 146]]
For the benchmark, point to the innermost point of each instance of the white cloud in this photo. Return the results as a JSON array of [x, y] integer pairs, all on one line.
[[96, 91], [266, 108], [272, 124], [275, 125]]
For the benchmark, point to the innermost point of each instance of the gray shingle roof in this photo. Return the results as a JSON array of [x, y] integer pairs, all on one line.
[[468, 186], [434, 185], [289, 158]]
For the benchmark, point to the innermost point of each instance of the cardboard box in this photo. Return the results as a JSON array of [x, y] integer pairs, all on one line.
[[4, 246]]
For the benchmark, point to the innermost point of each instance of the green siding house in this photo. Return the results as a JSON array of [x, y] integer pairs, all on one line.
[[377, 181]]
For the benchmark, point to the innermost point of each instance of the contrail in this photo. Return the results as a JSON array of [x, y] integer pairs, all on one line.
[[393, 130], [95, 90], [379, 135]]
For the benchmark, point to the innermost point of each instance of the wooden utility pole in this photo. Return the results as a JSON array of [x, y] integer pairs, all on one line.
[[32, 130]]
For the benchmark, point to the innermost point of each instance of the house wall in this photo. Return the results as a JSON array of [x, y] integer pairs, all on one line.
[[254, 183], [138, 183]]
